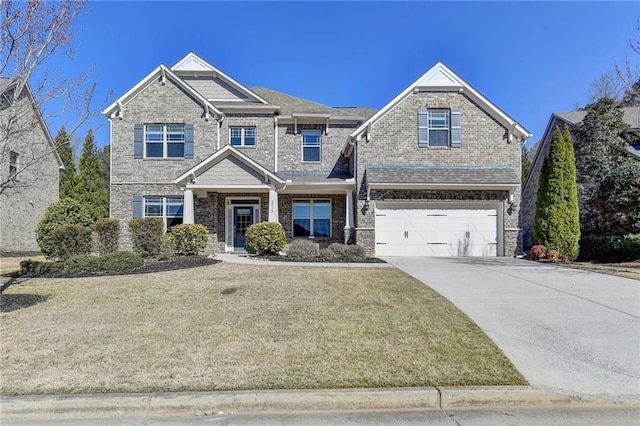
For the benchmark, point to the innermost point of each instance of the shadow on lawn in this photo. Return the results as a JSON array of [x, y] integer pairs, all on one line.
[[13, 302]]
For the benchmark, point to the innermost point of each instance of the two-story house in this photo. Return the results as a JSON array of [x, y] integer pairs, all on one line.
[[29, 168], [434, 172]]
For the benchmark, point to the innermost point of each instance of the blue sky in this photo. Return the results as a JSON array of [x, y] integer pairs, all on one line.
[[529, 58]]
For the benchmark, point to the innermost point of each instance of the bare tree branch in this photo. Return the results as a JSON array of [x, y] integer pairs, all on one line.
[[33, 34]]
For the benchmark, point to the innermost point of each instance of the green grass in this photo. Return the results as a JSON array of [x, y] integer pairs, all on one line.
[[283, 328]]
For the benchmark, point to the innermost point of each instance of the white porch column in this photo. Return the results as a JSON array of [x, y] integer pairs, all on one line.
[[273, 205], [188, 206], [348, 224]]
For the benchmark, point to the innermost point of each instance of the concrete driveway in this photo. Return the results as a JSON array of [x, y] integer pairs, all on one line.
[[567, 331]]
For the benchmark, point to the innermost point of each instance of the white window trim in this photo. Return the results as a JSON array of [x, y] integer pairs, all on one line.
[[429, 128], [165, 139], [165, 203], [242, 136], [311, 218], [313, 146]]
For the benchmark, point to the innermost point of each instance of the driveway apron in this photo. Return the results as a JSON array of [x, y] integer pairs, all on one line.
[[568, 331]]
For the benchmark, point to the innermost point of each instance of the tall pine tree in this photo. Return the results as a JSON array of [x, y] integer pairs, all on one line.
[[91, 188], [556, 224], [68, 177]]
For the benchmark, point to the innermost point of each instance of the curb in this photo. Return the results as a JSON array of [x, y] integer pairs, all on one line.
[[206, 403]]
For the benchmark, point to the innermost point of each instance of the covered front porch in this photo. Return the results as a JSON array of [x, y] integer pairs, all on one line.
[[229, 192]]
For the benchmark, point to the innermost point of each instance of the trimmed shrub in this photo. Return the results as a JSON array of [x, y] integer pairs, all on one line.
[[168, 249], [265, 238], [610, 248], [302, 249], [146, 234], [189, 239], [348, 252], [72, 240], [108, 231], [65, 212], [538, 252], [117, 262], [29, 266], [327, 255]]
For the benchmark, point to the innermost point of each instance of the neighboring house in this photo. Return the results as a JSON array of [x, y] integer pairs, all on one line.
[[29, 165], [631, 116], [434, 172]]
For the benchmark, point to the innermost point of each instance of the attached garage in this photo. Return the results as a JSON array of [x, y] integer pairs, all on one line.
[[447, 229]]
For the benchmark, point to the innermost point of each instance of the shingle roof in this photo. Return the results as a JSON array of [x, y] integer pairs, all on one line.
[[442, 174], [631, 116], [363, 112], [292, 104], [313, 177]]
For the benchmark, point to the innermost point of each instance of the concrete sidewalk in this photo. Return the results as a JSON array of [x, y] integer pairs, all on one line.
[[281, 400]]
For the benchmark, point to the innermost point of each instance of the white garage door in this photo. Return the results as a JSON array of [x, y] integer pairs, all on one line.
[[422, 231]]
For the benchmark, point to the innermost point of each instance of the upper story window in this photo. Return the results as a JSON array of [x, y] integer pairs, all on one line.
[[311, 144], [13, 164], [242, 136], [164, 140], [312, 218], [438, 127], [168, 208]]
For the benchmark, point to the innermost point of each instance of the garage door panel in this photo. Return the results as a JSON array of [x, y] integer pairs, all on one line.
[[436, 232]]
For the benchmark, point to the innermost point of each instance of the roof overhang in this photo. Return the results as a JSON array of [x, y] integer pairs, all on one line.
[[441, 78], [319, 187], [247, 107], [161, 72]]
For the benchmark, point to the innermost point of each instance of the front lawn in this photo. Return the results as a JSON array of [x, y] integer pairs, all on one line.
[[234, 327]]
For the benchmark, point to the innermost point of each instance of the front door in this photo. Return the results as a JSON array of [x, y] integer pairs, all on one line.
[[242, 219]]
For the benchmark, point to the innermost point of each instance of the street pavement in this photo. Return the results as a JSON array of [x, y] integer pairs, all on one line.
[[567, 331]]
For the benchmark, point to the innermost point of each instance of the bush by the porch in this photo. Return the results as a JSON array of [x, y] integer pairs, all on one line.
[[146, 234], [265, 238], [189, 239]]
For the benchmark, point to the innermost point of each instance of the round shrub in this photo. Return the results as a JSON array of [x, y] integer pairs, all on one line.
[[189, 238], [108, 231], [348, 252], [64, 212], [302, 250], [538, 252], [72, 240], [146, 235], [265, 238]]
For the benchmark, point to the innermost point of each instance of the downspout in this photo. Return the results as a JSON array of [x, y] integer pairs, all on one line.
[[275, 145], [220, 120]]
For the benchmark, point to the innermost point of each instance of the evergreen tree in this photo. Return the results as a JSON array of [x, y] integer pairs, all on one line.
[[91, 187], [556, 224], [105, 158], [526, 163], [599, 151], [68, 177]]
